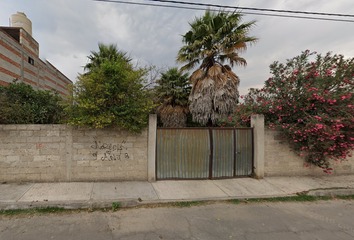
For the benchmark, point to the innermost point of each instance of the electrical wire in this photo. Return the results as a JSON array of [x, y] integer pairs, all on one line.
[[254, 9], [243, 12]]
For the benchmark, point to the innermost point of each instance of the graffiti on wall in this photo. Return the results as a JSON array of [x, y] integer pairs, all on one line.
[[39, 145], [111, 151]]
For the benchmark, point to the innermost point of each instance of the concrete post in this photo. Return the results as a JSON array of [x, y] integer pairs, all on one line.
[[152, 148], [257, 122], [68, 147]]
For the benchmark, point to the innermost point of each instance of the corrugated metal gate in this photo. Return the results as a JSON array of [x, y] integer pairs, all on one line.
[[204, 153]]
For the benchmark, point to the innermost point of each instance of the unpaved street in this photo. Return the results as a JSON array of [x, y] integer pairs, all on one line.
[[320, 220]]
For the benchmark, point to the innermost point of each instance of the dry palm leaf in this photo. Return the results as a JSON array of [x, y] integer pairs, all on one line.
[[215, 71], [196, 75]]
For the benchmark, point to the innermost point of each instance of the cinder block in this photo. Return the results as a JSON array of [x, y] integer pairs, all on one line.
[[12, 158], [59, 127], [78, 145], [107, 133], [47, 177], [84, 157], [133, 138], [102, 176], [128, 145], [5, 152], [32, 139], [43, 139], [21, 127], [26, 133], [14, 134], [13, 169], [78, 133], [47, 151], [86, 151], [40, 158], [33, 127], [83, 140], [96, 163], [140, 151], [45, 127], [32, 170], [140, 145], [33, 164], [33, 177], [53, 158], [6, 178], [52, 133], [90, 133], [51, 145], [83, 163]]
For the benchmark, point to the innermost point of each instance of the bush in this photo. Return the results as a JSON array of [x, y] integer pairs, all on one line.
[[110, 95], [21, 104], [313, 104]]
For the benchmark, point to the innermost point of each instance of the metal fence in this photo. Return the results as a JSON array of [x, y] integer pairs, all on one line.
[[204, 153]]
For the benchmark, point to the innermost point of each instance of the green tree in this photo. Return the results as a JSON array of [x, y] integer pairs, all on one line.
[[110, 95], [21, 104], [311, 100], [213, 39], [110, 52], [172, 91]]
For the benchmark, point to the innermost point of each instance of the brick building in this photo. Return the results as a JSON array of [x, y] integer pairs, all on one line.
[[19, 58]]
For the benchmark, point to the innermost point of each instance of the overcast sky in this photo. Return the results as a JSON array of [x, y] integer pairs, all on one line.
[[67, 30]]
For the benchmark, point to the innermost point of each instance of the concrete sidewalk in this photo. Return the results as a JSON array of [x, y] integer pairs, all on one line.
[[130, 194]]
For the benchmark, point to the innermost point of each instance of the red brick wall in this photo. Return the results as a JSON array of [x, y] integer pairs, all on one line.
[[41, 75]]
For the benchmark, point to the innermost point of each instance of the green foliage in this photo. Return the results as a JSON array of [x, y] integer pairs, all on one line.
[[173, 88], [110, 95], [298, 198], [32, 211], [21, 104], [110, 52], [311, 102], [115, 205], [349, 197], [188, 204], [215, 37], [172, 92]]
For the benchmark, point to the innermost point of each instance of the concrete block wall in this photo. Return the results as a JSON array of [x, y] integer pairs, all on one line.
[[102, 155], [280, 160], [32, 153], [61, 153]]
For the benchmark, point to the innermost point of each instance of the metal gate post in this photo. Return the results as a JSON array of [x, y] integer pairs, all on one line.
[[257, 122], [211, 153], [152, 148]]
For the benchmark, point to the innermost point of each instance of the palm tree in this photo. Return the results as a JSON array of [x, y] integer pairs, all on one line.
[[172, 91], [110, 52], [213, 39]]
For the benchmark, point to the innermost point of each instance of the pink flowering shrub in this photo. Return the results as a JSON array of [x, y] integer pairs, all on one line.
[[311, 102]]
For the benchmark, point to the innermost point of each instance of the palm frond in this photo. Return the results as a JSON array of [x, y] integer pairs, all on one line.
[[214, 38]]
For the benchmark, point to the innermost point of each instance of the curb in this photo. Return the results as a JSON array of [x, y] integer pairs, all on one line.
[[124, 203], [331, 192], [131, 203]]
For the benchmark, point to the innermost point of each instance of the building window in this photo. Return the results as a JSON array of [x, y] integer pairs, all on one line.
[[30, 61]]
